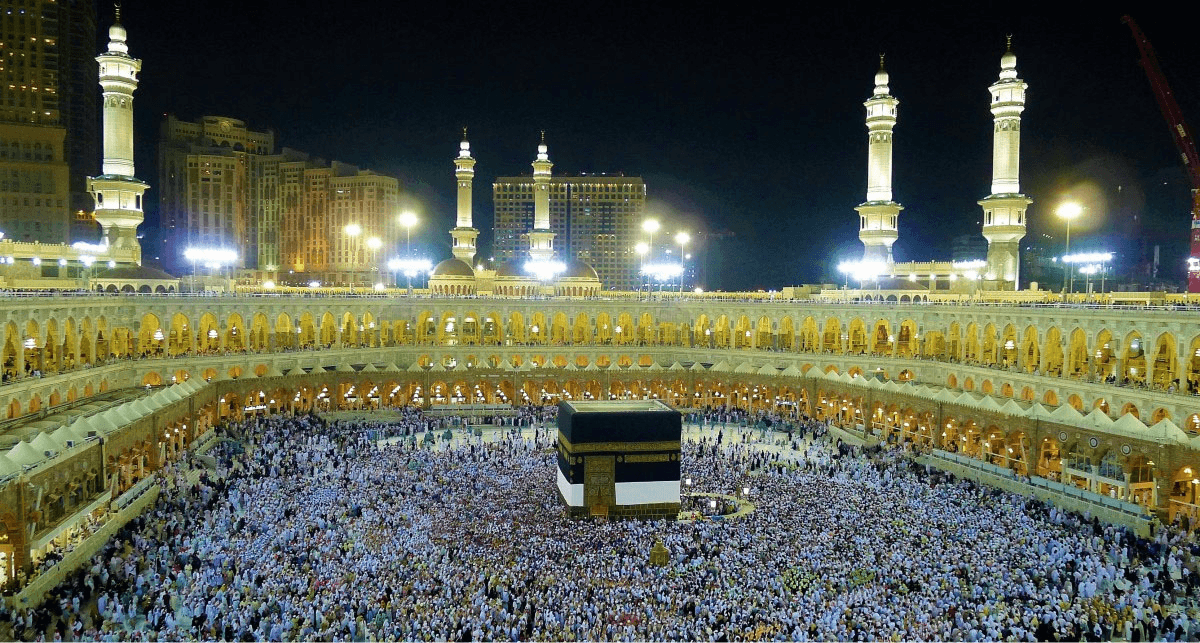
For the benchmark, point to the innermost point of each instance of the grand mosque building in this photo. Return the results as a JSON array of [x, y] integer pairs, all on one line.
[[1095, 404]]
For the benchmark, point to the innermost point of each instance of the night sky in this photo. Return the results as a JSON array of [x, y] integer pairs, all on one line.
[[739, 118]]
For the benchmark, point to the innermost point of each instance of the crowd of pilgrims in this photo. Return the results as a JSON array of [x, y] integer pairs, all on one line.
[[307, 529]]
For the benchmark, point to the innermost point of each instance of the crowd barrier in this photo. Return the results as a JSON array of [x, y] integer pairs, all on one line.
[[1065, 496], [36, 590]]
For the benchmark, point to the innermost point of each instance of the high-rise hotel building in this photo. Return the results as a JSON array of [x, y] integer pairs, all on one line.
[[47, 116], [595, 218], [225, 186], [205, 173]]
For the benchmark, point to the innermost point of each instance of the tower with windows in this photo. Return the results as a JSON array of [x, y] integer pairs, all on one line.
[[117, 191], [464, 233], [1004, 209], [879, 213]]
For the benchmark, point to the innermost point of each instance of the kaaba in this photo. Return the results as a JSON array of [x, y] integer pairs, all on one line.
[[619, 459]]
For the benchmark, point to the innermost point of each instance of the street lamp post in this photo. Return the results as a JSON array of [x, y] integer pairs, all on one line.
[[1068, 211], [650, 226], [642, 248], [682, 238], [407, 220], [352, 231], [374, 243]]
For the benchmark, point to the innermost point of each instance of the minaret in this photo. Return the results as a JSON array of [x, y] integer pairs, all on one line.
[[877, 216], [117, 192], [541, 239], [464, 232], [1004, 209]]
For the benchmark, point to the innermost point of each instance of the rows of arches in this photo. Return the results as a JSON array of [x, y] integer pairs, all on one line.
[[1163, 360]]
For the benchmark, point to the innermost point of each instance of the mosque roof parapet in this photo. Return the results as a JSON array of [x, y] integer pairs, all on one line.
[[119, 177]]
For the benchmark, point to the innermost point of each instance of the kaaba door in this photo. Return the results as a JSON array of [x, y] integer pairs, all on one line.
[[599, 483]]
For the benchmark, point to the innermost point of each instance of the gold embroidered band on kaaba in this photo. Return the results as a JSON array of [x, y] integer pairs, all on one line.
[[618, 447]]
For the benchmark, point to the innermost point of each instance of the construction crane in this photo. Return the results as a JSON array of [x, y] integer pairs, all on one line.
[[1183, 141]]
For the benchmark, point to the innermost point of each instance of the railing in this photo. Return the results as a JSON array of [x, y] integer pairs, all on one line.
[[33, 593], [664, 297], [1069, 491], [1190, 509], [134, 492]]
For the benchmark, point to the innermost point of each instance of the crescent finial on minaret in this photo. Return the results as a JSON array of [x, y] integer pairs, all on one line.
[[1008, 42], [543, 136], [464, 132], [881, 61], [117, 12]]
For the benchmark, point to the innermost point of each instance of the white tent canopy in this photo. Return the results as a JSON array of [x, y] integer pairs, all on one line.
[[1166, 431], [8, 467], [24, 454]]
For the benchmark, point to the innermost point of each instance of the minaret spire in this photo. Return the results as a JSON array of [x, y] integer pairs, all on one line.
[[117, 191], [541, 238], [464, 233], [878, 214], [1004, 209]]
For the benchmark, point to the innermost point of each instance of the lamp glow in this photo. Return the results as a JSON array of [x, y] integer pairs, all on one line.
[[1069, 210], [94, 248], [862, 270], [211, 256], [544, 269], [1088, 257], [662, 271], [409, 267]]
